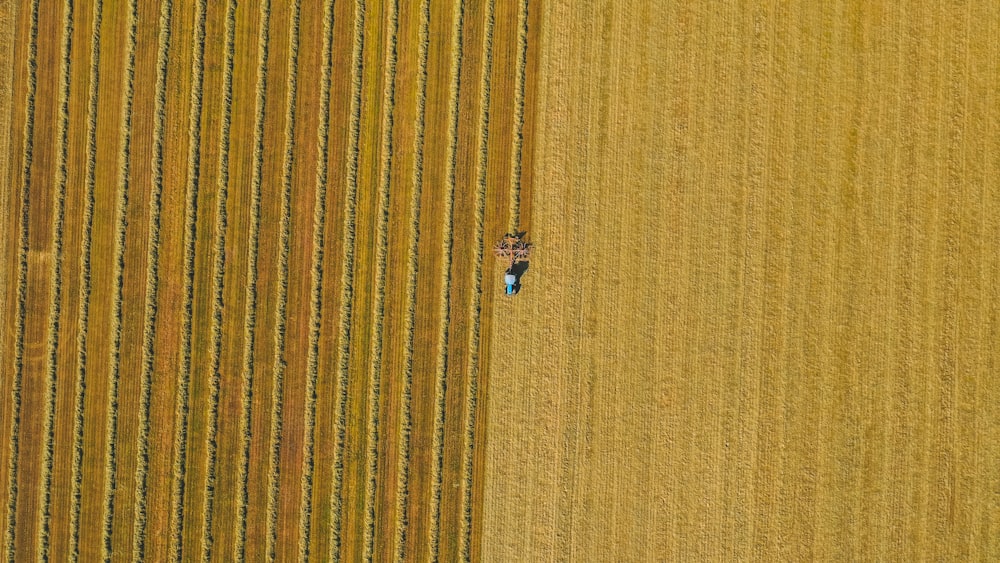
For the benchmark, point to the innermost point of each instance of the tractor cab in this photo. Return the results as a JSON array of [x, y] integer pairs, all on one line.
[[511, 281]]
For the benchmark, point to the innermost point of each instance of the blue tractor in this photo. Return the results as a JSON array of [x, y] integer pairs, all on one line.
[[513, 251]]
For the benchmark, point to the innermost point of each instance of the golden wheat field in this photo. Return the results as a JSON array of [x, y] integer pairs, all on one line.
[[764, 317], [248, 307]]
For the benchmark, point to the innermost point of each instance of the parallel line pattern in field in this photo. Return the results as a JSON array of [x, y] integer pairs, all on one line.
[[472, 370], [182, 414], [152, 282], [22, 289], [85, 279], [250, 323], [218, 275], [55, 309], [219, 290], [446, 266], [121, 211], [347, 280], [381, 252], [316, 288], [278, 390], [406, 419]]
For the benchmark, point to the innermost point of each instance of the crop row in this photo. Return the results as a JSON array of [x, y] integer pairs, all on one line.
[[274, 465], [442, 368], [85, 275], [520, 79], [475, 314], [121, 210], [347, 290], [190, 232], [55, 310], [218, 275], [250, 323], [22, 285], [152, 282], [316, 289], [381, 251], [411, 285]]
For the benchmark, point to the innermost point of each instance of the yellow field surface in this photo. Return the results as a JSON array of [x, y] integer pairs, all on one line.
[[763, 317], [245, 285]]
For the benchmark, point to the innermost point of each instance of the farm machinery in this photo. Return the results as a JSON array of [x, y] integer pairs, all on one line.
[[513, 251]]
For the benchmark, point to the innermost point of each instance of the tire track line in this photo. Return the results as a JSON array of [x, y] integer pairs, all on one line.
[[218, 273], [347, 292], [152, 284], [381, 252], [274, 463], [190, 234], [121, 212], [85, 285], [471, 392], [55, 308], [22, 285], [442, 370], [520, 80], [316, 291], [250, 323], [411, 286]]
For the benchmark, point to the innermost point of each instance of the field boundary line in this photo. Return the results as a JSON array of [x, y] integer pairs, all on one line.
[[22, 285], [520, 80], [347, 279], [411, 286], [381, 256], [121, 215], [316, 290], [152, 283], [182, 409], [472, 384], [85, 272], [442, 367], [278, 389], [250, 317], [55, 310], [218, 273]]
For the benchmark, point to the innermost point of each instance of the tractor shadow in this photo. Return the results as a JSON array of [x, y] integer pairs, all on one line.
[[518, 270]]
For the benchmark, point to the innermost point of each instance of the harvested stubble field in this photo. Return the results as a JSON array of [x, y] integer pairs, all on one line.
[[243, 297], [247, 313]]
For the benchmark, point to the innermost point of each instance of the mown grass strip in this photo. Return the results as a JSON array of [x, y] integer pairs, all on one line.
[[274, 462], [152, 283], [316, 291], [442, 368], [190, 235], [347, 279], [121, 212], [218, 274], [472, 390], [22, 285], [250, 322], [381, 252], [520, 78], [55, 308], [406, 422], [85, 275]]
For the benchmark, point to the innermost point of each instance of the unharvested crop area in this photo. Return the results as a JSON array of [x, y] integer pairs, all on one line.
[[765, 306], [243, 295]]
